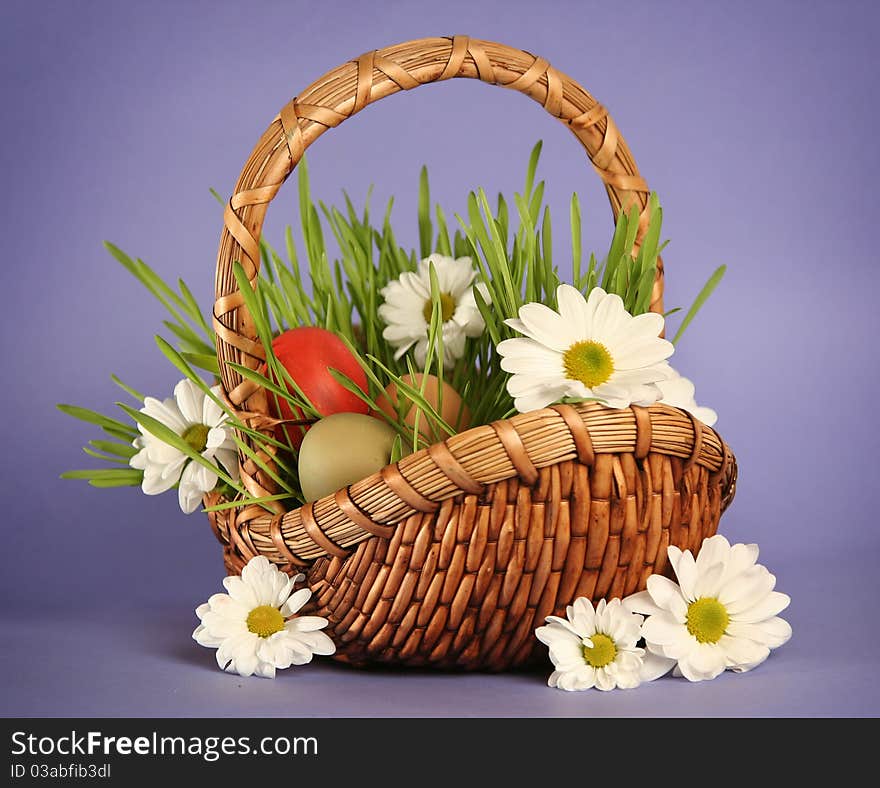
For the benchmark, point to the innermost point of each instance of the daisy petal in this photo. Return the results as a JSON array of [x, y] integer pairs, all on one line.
[[573, 309], [714, 550], [309, 623], [642, 602], [667, 596], [154, 484], [189, 491], [685, 570], [544, 325], [708, 658], [773, 632], [604, 680], [205, 638], [742, 556], [320, 643], [265, 670], [703, 663], [654, 666], [189, 398], [293, 605], [742, 591], [742, 654], [663, 629], [707, 582], [537, 400], [241, 592], [583, 617], [768, 607]]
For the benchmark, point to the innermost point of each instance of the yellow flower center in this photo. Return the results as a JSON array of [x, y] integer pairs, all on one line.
[[602, 652], [447, 308], [265, 620], [196, 435], [589, 362], [707, 619]]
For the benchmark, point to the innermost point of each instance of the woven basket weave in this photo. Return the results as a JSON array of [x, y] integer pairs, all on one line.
[[452, 556]]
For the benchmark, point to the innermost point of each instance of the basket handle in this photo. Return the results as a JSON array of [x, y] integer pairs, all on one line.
[[348, 89]]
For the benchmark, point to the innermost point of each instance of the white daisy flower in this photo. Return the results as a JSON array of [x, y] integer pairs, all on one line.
[[721, 615], [254, 626], [407, 307], [678, 392], [596, 648], [201, 423], [590, 349]]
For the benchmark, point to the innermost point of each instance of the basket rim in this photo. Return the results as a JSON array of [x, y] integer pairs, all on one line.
[[514, 448]]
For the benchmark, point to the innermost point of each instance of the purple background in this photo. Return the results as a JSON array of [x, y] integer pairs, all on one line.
[[756, 123]]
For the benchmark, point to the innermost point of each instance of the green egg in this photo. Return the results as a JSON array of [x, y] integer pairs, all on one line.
[[341, 449]]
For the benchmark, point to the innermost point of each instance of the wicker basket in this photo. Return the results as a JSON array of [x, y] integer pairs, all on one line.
[[452, 557]]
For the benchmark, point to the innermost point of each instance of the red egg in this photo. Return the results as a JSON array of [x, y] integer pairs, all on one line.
[[308, 353]]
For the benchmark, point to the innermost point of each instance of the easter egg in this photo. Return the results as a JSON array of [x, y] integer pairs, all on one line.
[[341, 449], [452, 409], [308, 353]]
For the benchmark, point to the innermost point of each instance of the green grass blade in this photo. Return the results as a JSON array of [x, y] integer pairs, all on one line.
[[195, 311], [120, 435], [120, 481], [576, 240], [531, 169], [129, 475], [152, 281], [93, 417], [103, 457], [204, 361], [112, 447], [396, 450], [426, 231], [133, 393], [222, 507], [444, 245], [189, 340], [701, 298]]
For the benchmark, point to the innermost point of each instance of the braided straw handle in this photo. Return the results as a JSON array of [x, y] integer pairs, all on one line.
[[347, 90]]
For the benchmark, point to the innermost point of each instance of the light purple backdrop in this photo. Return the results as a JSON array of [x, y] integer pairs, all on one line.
[[757, 124]]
